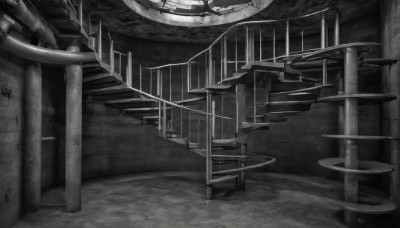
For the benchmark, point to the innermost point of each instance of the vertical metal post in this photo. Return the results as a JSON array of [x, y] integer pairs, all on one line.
[[198, 75], [222, 114], [164, 121], [240, 118], [209, 187], [213, 118], [189, 79], [274, 44], [351, 128], [225, 59], [151, 81], [170, 83], [112, 65], [337, 29], [129, 72], [99, 42], [90, 23], [80, 7], [140, 77], [32, 137], [323, 46], [159, 94], [236, 51], [323, 32], [73, 140], [260, 44], [211, 78], [255, 97], [247, 44], [120, 64], [287, 40], [302, 40]]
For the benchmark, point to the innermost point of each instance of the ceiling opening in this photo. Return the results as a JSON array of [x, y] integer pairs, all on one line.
[[195, 13]]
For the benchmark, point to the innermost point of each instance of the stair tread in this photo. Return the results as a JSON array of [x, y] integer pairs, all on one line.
[[369, 204], [361, 137], [364, 98], [150, 109], [365, 167], [225, 141]]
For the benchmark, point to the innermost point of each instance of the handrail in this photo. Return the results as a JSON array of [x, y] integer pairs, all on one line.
[[238, 25], [176, 105]]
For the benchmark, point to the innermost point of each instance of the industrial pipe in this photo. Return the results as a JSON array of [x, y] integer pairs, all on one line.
[[19, 10], [44, 55], [35, 53]]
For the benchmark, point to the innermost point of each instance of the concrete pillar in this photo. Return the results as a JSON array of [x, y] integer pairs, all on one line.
[[390, 39], [73, 140], [32, 138], [351, 128]]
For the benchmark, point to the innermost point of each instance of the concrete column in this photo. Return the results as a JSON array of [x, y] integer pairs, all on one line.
[[390, 39], [73, 140], [351, 128], [32, 138]]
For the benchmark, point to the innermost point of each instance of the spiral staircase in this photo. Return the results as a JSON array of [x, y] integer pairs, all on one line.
[[189, 111]]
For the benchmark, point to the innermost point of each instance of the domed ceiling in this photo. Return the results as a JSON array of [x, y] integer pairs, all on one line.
[[120, 18]]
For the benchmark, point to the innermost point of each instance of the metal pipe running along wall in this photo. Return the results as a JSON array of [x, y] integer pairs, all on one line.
[[30, 20], [35, 53]]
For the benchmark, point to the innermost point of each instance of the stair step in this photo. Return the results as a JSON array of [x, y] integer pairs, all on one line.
[[201, 152], [220, 87], [182, 141], [221, 179], [225, 141], [287, 108], [281, 114], [364, 167], [267, 66], [140, 110], [290, 103], [364, 99], [249, 127], [369, 204], [361, 137], [198, 91], [235, 77], [108, 91], [304, 96], [193, 145], [151, 118], [228, 157], [379, 61]]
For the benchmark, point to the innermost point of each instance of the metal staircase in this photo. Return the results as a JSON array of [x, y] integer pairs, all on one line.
[[195, 102]]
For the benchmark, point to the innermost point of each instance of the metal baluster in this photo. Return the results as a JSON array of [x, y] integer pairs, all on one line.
[[274, 44], [225, 59], [120, 63], [222, 114], [129, 73], [112, 61], [287, 38], [260, 44], [323, 46], [80, 14], [151, 81], [99, 42], [140, 77], [236, 51], [255, 97], [198, 74]]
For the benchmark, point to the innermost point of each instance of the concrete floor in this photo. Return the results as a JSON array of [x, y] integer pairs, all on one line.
[[177, 200]]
